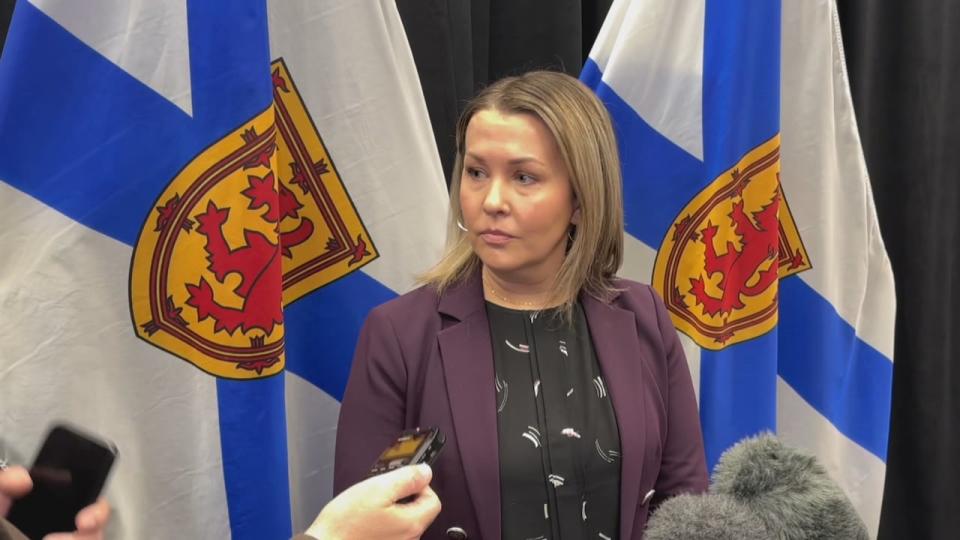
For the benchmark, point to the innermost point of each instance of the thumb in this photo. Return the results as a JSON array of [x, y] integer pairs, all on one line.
[[15, 482], [405, 481]]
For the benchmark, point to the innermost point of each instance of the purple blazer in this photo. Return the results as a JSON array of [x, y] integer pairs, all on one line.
[[427, 360]]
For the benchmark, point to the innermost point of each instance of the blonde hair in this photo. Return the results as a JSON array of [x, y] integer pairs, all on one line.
[[582, 129]]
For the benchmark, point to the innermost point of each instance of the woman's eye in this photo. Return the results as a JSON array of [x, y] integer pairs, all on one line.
[[525, 178], [473, 173]]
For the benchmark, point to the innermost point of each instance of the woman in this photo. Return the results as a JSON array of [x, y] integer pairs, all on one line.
[[562, 390]]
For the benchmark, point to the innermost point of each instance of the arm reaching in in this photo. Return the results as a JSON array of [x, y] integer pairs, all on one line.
[[370, 509]]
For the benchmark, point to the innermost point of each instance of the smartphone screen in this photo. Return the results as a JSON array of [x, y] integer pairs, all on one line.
[[68, 474], [404, 447], [413, 446]]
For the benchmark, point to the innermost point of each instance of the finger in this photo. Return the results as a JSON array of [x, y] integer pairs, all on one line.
[[15, 482], [419, 514], [93, 518], [423, 509], [405, 481]]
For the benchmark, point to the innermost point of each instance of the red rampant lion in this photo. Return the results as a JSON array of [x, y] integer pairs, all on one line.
[[760, 243], [258, 261]]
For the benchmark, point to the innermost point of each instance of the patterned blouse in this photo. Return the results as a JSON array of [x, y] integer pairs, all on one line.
[[558, 437]]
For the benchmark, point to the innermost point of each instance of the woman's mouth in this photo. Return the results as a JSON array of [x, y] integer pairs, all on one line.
[[494, 237]]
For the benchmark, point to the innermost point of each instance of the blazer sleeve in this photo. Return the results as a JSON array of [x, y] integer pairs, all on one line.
[[372, 410], [683, 467]]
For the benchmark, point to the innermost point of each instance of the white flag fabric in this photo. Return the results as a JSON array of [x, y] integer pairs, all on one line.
[[199, 203], [748, 206]]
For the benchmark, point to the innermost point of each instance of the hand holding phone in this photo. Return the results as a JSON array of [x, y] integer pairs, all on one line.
[[371, 508], [68, 474]]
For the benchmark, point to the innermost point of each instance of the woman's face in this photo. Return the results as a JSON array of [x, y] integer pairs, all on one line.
[[516, 196]]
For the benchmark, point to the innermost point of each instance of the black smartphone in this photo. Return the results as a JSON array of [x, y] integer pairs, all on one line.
[[412, 447], [68, 474]]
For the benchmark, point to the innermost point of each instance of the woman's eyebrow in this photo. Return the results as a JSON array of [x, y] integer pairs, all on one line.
[[515, 161], [526, 159]]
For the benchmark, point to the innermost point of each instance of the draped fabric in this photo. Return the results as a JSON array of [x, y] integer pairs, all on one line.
[[6, 11], [744, 180], [904, 66], [460, 47]]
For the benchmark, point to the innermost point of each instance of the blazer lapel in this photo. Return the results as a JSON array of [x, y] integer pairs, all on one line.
[[467, 358], [614, 335]]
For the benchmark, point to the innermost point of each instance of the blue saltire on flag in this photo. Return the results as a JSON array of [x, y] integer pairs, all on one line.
[[109, 113], [717, 105]]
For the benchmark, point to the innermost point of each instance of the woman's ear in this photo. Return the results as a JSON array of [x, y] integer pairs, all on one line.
[[575, 218]]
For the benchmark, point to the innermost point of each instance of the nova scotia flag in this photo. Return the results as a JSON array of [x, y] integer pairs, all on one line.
[[748, 207], [199, 203]]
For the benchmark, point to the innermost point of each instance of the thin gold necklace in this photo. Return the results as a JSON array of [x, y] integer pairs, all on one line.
[[502, 298]]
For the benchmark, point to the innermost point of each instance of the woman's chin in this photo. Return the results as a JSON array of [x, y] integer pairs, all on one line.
[[499, 266], [498, 262]]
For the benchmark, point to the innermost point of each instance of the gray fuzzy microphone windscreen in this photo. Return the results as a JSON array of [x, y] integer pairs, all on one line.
[[788, 489], [761, 488], [704, 517]]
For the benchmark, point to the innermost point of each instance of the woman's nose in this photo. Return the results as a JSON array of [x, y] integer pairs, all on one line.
[[494, 200]]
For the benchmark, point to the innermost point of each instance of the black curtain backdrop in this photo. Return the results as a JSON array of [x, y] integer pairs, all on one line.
[[460, 47], [6, 11], [904, 65]]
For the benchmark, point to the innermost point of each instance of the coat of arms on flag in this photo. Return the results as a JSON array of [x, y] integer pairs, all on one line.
[[257, 220], [719, 264]]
